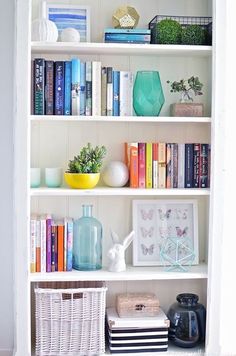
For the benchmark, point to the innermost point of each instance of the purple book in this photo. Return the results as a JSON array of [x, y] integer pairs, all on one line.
[[48, 243]]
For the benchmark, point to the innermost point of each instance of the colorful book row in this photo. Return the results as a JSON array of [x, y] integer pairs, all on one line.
[[168, 165], [51, 244], [80, 88]]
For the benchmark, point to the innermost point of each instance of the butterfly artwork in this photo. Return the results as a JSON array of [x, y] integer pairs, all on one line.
[[147, 215], [164, 215], [181, 214], [165, 231], [147, 232], [181, 232], [147, 250]]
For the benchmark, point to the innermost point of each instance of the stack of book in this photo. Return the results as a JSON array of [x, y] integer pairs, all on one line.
[[51, 244], [119, 35], [168, 165], [80, 88], [136, 335]]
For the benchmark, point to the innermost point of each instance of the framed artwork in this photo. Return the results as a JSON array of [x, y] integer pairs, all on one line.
[[154, 221], [67, 15]]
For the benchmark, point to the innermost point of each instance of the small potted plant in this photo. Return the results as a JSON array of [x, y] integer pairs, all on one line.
[[187, 88], [84, 170]]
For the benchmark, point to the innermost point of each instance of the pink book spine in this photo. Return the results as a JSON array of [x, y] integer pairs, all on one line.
[[141, 165], [48, 243]]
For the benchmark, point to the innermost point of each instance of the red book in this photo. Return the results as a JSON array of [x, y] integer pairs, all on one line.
[[141, 165]]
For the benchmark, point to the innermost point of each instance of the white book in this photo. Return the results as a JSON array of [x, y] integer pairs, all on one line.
[[115, 322], [75, 83], [43, 243], [96, 92], [126, 93], [181, 161]]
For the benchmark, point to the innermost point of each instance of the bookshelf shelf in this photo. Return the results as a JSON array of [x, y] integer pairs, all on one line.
[[105, 191], [117, 48], [136, 119], [131, 274]]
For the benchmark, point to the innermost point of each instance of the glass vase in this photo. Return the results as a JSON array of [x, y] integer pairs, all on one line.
[[148, 97], [87, 244]]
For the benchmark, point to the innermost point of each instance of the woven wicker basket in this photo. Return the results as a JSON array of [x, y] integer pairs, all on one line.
[[70, 321]]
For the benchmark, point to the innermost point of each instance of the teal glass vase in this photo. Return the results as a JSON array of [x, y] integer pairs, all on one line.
[[148, 97], [87, 243]]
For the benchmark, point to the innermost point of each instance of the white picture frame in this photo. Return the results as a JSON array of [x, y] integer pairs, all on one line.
[[155, 220], [66, 15]]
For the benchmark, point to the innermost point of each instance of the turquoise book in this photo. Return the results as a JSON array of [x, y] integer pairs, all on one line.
[[67, 108], [116, 93]]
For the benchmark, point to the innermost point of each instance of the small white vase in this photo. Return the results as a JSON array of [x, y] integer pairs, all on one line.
[[44, 30], [70, 35]]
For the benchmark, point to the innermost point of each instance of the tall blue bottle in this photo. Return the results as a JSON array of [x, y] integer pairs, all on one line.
[[87, 242]]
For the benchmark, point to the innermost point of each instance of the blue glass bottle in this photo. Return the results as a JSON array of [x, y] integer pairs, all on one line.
[[87, 244]]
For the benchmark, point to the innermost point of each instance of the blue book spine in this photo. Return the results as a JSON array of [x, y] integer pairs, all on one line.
[[128, 30], [116, 93], [75, 86], [203, 180], [188, 181], [82, 88], [88, 89], [127, 37], [67, 108], [59, 88], [69, 245]]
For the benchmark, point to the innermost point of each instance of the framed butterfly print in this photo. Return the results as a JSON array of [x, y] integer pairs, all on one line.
[[154, 221]]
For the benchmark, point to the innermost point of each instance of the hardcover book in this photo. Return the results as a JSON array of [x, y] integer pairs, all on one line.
[[49, 87], [136, 31], [43, 244], [168, 165], [188, 165], [39, 86], [104, 92], [174, 165], [48, 243], [53, 248], [134, 165], [88, 89], [96, 92], [75, 86], [38, 247], [60, 238], [69, 244], [59, 88], [203, 179], [155, 165], [148, 165], [68, 79], [181, 162], [142, 165], [33, 228], [196, 165], [82, 88], [126, 93], [116, 93], [109, 91]]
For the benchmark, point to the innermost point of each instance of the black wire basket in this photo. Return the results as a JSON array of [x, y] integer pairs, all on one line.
[[204, 22]]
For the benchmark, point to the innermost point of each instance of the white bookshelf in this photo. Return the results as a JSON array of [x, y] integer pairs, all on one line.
[[46, 141]]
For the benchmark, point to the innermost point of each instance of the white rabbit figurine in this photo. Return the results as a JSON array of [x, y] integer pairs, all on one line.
[[116, 253]]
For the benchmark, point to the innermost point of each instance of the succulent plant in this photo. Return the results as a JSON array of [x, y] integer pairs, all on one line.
[[187, 88], [194, 35], [168, 31], [89, 160]]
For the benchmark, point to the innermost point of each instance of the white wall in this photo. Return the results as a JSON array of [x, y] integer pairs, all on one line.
[[6, 183]]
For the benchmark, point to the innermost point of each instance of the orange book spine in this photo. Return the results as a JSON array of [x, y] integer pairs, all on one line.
[[38, 247], [134, 165], [60, 238], [148, 165]]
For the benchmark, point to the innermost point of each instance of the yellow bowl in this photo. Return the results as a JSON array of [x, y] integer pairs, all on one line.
[[82, 180]]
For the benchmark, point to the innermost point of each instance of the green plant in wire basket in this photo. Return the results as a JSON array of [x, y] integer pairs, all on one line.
[[168, 31], [194, 35]]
